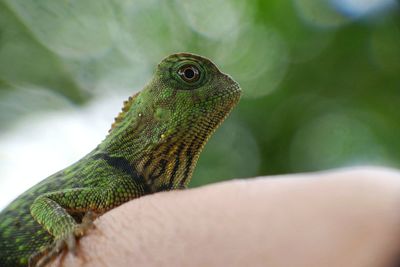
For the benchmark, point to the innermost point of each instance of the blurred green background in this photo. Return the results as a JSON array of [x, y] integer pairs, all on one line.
[[321, 80]]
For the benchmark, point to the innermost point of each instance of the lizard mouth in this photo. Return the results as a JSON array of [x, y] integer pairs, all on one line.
[[228, 96], [235, 90], [220, 104]]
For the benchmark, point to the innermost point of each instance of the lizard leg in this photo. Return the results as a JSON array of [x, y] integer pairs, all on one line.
[[47, 254], [53, 211]]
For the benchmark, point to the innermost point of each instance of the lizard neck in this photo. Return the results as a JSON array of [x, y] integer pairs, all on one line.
[[164, 155]]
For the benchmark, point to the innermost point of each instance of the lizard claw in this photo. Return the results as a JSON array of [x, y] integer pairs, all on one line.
[[49, 253], [86, 224], [70, 241]]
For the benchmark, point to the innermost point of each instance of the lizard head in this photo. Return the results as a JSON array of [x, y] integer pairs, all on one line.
[[189, 90], [174, 116]]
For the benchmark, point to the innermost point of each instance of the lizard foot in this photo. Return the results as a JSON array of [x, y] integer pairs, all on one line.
[[68, 241], [86, 224]]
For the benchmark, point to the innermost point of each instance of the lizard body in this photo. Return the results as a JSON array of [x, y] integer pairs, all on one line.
[[152, 146]]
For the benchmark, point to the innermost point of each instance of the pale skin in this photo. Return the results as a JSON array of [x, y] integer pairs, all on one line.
[[347, 217]]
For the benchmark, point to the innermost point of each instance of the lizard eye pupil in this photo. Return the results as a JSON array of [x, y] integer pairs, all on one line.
[[189, 73]]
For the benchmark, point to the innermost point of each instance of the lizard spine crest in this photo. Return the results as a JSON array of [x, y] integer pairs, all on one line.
[[121, 115]]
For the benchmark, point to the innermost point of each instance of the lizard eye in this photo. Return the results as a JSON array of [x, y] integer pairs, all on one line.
[[189, 73]]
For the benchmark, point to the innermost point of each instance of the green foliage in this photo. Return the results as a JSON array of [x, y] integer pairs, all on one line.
[[321, 86]]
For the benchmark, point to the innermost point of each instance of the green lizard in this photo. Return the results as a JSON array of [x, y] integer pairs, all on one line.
[[152, 146]]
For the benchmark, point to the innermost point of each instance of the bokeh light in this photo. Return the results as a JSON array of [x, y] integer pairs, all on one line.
[[222, 17], [358, 8], [384, 48], [351, 143], [75, 30], [319, 13]]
